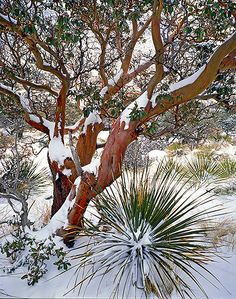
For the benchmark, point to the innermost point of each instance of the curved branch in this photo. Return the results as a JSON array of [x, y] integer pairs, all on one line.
[[32, 43], [33, 85], [202, 81], [159, 47], [32, 119]]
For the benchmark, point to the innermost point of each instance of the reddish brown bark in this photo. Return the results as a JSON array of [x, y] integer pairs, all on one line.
[[62, 184], [86, 145], [109, 170]]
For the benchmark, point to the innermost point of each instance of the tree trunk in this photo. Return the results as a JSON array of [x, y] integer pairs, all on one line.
[[109, 170], [62, 184], [86, 145]]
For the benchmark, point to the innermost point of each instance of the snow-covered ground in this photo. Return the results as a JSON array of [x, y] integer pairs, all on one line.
[[58, 284]]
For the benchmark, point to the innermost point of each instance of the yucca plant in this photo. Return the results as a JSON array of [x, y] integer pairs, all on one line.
[[226, 168], [205, 169], [24, 176], [151, 238]]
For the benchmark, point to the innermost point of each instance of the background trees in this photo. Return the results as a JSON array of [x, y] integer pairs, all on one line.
[[131, 67]]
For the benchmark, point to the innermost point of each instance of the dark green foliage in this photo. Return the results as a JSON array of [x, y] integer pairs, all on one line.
[[137, 113], [206, 169], [25, 250]]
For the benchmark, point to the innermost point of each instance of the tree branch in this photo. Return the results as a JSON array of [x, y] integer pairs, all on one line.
[[158, 44], [31, 118], [202, 81]]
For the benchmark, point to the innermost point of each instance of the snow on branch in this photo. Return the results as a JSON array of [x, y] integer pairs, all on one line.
[[8, 19], [111, 82], [23, 100], [140, 102], [93, 118], [188, 80], [57, 151]]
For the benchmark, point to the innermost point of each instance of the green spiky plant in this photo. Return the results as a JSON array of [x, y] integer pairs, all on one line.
[[205, 169], [31, 180], [150, 236]]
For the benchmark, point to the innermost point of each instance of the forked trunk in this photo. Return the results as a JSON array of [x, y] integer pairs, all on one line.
[[109, 170]]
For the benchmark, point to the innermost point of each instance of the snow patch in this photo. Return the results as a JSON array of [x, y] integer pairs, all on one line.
[[73, 127], [8, 18], [156, 155], [92, 167], [57, 151], [67, 172], [114, 80], [111, 82], [25, 103], [188, 80], [103, 91], [141, 102], [93, 118]]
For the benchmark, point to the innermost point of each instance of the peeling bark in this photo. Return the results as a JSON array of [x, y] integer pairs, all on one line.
[[109, 170], [86, 145]]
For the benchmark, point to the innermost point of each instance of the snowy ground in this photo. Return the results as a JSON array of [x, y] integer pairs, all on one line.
[[53, 285]]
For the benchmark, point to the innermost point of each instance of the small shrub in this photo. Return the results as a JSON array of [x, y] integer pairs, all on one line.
[[206, 169], [27, 251], [177, 148]]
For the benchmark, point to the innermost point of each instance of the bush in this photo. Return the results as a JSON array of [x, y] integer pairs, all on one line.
[[25, 250], [206, 169]]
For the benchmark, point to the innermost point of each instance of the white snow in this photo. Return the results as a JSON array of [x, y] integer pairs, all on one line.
[[156, 155], [74, 126], [93, 118], [141, 102], [103, 135], [187, 81], [8, 18], [57, 151], [67, 172], [93, 166], [103, 91], [25, 103], [6, 87], [114, 80], [50, 14], [111, 82]]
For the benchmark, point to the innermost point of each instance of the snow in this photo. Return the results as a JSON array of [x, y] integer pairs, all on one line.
[[114, 80], [103, 135], [141, 102], [57, 151], [92, 119], [156, 155], [67, 172], [73, 127], [6, 87], [93, 166], [8, 18], [25, 103], [50, 14], [111, 82], [103, 91], [166, 69], [187, 81]]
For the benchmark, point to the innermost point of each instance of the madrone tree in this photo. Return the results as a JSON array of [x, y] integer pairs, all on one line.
[[115, 65]]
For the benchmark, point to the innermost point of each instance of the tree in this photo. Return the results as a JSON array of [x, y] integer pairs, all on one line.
[[121, 64]]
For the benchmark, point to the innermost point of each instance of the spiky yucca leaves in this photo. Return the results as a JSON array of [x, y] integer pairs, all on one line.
[[206, 169], [24, 176], [226, 168], [150, 236]]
